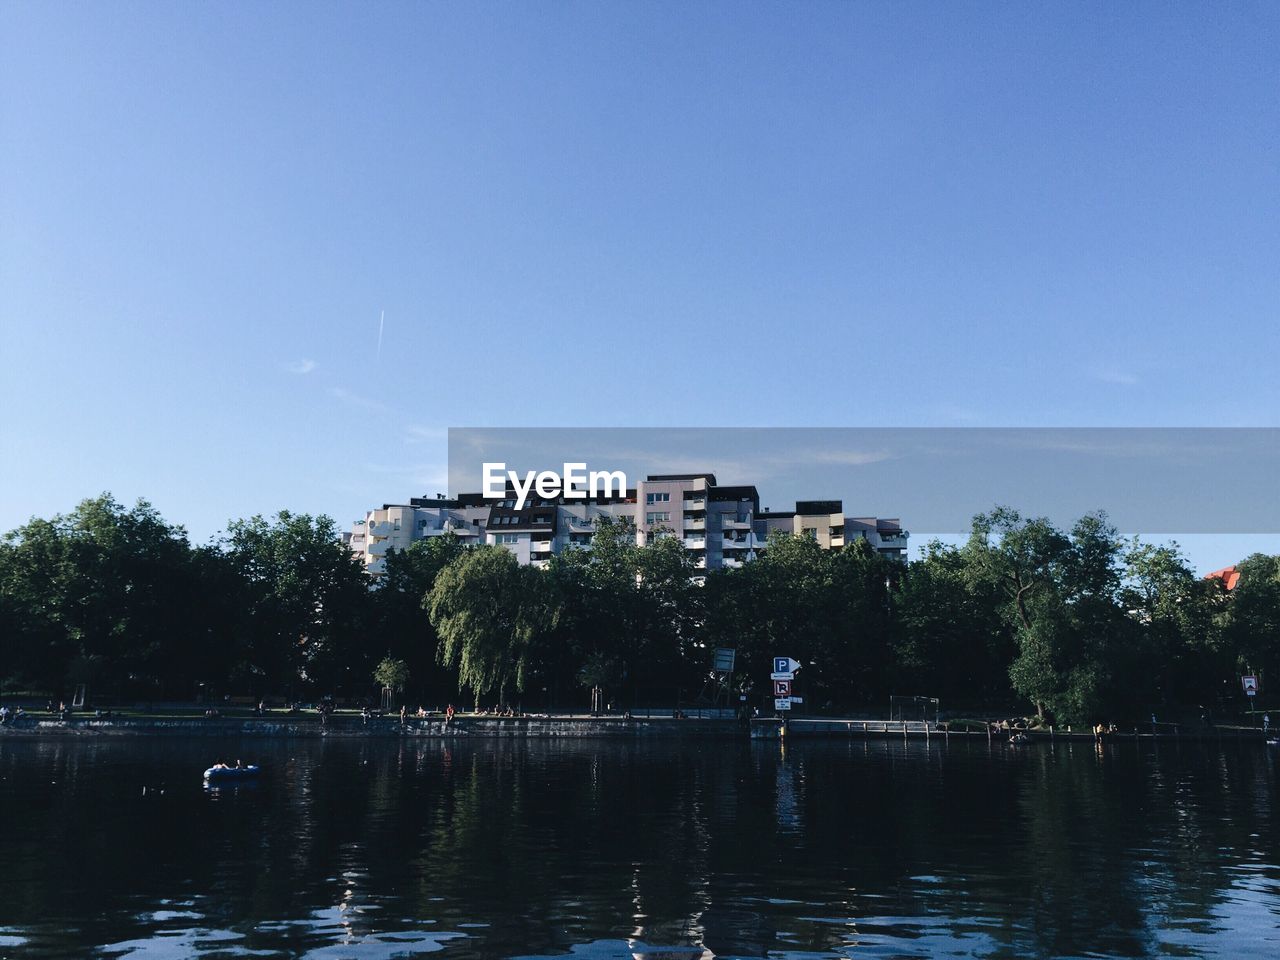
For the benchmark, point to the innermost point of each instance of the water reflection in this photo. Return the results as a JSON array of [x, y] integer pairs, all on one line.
[[858, 848]]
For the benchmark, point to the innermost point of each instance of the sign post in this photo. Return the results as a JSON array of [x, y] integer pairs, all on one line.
[[784, 672], [1250, 684]]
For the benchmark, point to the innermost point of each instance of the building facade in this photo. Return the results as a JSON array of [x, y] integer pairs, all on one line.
[[721, 526]]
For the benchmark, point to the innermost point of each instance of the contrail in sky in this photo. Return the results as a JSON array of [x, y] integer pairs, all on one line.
[[381, 320]]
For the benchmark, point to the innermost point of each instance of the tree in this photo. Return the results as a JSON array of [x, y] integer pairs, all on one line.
[[487, 610], [1061, 599], [391, 674], [105, 587], [597, 673], [831, 610], [1172, 612], [1250, 621], [304, 595], [634, 606], [952, 638], [398, 615]]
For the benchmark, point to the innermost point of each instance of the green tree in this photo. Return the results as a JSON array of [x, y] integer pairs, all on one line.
[[1250, 618], [487, 610], [1171, 609], [635, 606], [391, 674], [105, 587], [305, 595], [1060, 596], [953, 640], [398, 615], [831, 610]]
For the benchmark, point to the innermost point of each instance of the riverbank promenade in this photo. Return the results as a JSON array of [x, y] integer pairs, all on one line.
[[706, 724]]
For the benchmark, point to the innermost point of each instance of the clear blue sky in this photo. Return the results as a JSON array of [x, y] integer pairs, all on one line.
[[601, 213]]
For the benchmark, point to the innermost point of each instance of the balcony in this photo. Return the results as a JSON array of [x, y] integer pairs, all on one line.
[[695, 543], [461, 530], [732, 522], [695, 523], [732, 562], [379, 548], [694, 506], [383, 528], [375, 567]]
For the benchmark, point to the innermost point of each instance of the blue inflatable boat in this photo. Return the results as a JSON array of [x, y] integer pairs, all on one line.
[[232, 773]]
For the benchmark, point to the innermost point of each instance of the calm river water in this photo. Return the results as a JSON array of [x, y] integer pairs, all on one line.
[[380, 849]]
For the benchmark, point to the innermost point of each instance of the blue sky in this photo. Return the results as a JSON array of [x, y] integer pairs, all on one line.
[[603, 214]]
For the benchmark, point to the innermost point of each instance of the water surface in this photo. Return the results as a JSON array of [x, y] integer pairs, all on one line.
[[602, 849]]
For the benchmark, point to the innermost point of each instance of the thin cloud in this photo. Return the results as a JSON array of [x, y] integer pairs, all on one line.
[[1121, 378], [420, 434], [301, 367], [356, 400]]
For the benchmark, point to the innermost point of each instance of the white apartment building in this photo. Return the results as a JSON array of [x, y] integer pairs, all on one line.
[[722, 526]]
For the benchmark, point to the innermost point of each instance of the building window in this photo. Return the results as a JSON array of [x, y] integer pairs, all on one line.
[[653, 498], [658, 516], [506, 538], [397, 524]]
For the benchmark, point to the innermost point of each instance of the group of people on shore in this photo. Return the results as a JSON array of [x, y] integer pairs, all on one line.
[[7, 715]]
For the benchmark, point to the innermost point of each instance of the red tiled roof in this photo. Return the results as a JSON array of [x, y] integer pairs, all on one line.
[[1229, 576]]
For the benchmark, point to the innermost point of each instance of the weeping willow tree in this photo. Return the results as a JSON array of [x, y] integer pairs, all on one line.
[[487, 611]]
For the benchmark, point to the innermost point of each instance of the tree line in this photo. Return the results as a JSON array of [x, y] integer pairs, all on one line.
[[1073, 625]]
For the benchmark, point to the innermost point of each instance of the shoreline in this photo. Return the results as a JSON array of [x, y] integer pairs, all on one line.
[[378, 728], [507, 728]]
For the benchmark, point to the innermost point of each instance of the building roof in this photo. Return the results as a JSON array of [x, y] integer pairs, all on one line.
[[709, 477], [810, 508], [735, 493], [433, 502], [541, 519], [1230, 576]]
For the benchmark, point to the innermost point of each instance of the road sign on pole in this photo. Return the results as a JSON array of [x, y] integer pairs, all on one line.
[[1250, 684], [783, 703], [784, 668], [782, 688]]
